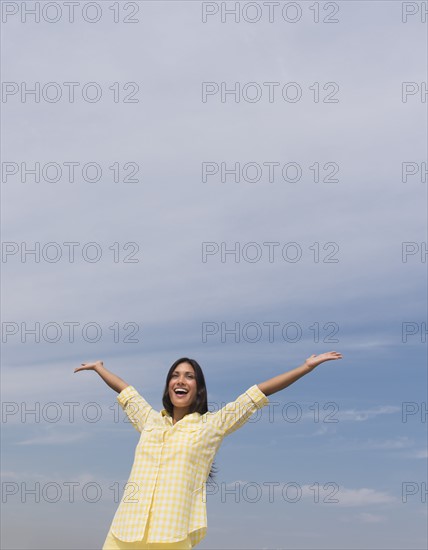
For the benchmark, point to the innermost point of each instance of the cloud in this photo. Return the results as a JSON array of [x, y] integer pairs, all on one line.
[[362, 415], [423, 453], [55, 439], [365, 517], [30, 475], [363, 497], [397, 443]]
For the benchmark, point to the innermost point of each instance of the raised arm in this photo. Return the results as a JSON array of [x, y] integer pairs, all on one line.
[[116, 383], [281, 381]]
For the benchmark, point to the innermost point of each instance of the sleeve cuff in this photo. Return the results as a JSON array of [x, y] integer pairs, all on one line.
[[126, 394], [257, 396]]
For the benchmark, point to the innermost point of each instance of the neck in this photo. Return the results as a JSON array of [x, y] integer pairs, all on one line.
[[179, 413]]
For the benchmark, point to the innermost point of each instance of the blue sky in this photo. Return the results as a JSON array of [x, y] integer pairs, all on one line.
[[373, 459]]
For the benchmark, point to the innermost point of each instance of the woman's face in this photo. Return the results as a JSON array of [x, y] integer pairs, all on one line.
[[182, 378]]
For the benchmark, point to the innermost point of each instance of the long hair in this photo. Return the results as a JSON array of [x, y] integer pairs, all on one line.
[[200, 403]]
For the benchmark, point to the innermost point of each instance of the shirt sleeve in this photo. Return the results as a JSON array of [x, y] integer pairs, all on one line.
[[135, 406], [236, 413]]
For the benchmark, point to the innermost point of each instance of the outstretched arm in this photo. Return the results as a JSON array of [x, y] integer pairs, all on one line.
[[109, 378], [281, 381]]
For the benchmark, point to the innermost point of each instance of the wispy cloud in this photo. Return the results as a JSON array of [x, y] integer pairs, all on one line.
[[355, 415], [363, 497], [30, 475], [423, 453], [363, 517], [397, 443], [366, 517], [55, 439]]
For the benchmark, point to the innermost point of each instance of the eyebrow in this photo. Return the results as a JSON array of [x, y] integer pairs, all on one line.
[[185, 372]]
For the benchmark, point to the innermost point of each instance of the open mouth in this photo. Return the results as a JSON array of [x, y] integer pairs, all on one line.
[[180, 392]]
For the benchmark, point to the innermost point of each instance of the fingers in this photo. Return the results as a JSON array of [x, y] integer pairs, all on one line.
[[88, 366], [335, 355], [84, 366], [328, 354]]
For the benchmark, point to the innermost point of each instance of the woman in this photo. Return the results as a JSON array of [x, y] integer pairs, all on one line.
[[164, 502]]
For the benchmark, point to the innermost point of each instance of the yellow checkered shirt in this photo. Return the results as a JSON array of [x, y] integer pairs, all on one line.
[[171, 466]]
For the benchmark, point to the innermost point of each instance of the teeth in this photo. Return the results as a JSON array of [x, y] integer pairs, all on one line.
[[180, 391]]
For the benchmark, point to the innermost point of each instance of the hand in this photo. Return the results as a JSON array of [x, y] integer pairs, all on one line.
[[89, 366], [315, 360]]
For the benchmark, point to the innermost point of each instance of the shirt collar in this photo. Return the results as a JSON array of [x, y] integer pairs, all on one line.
[[189, 418], [164, 412]]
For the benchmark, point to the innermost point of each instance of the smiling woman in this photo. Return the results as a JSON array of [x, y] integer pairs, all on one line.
[[182, 388], [164, 501]]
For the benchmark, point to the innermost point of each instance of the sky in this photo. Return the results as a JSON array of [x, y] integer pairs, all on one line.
[[246, 188]]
